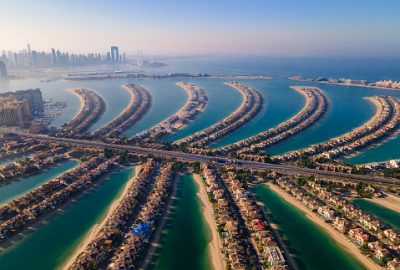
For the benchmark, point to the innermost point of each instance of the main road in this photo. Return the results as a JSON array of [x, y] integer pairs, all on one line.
[[284, 168]]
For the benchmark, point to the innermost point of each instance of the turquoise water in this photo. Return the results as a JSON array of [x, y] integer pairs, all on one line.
[[340, 118], [276, 109], [185, 239], [311, 246], [17, 188], [115, 97], [348, 108], [389, 216], [167, 98], [4, 161], [51, 91], [222, 101], [51, 244], [381, 152]]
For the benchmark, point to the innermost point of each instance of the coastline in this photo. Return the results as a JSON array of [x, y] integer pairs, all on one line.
[[339, 238], [183, 108], [214, 250], [132, 100], [24, 176], [291, 119], [48, 216], [86, 116], [102, 78], [238, 109], [179, 112], [91, 235], [343, 84], [81, 101], [391, 202]]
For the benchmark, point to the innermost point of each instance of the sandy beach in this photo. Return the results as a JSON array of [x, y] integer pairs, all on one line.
[[81, 101], [132, 101], [221, 122], [215, 244], [297, 115], [242, 104], [179, 113], [337, 236], [391, 202], [97, 227]]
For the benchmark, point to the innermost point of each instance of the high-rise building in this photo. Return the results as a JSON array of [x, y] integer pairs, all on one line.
[[3, 70], [53, 57], [28, 58], [32, 96], [59, 57], [114, 54], [13, 112], [140, 58]]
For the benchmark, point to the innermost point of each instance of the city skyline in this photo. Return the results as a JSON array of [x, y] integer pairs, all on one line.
[[178, 28], [204, 135]]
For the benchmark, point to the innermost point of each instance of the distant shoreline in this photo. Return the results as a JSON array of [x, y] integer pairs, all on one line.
[[343, 84], [111, 76]]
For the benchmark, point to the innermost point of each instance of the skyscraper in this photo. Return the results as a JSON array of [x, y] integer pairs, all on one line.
[[114, 54], [14, 112], [53, 57], [32, 96], [3, 70]]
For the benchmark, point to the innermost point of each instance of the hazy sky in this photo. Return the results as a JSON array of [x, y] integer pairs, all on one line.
[[269, 27]]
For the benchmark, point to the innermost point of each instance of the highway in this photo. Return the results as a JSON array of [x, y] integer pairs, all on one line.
[[284, 168]]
